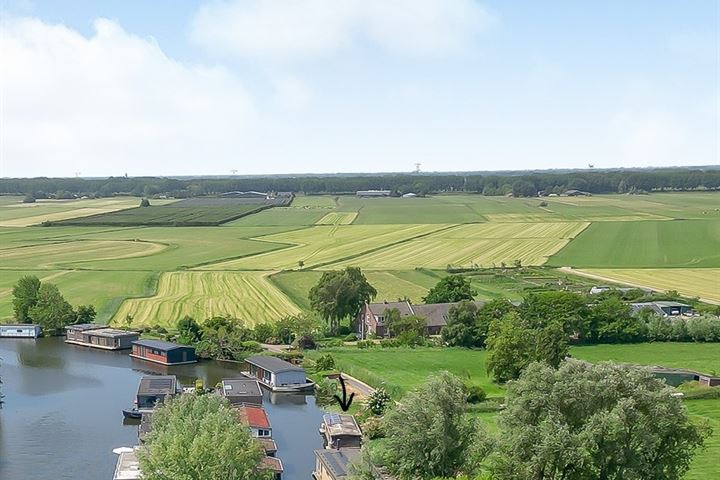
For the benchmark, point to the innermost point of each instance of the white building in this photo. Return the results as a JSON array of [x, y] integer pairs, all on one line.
[[20, 330]]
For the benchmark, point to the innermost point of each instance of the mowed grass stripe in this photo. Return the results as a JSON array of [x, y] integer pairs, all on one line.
[[338, 218], [249, 296]]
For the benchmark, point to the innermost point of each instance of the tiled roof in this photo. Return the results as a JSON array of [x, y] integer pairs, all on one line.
[[254, 417]]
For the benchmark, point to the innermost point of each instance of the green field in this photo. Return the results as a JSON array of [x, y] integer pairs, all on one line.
[[653, 244], [167, 215]]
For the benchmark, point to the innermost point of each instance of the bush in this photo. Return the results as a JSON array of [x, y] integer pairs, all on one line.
[[378, 401], [251, 346], [263, 332], [324, 391], [160, 329], [290, 356], [475, 394], [344, 330], [325, 362], [373, 428], [351, 337], [306, 342], [365, 343]]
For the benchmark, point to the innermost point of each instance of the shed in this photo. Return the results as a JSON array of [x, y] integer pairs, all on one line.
[[166, 353], [340, 431], [276, 373], [20, 330], [333, 464], [240, 391], [155, 388]]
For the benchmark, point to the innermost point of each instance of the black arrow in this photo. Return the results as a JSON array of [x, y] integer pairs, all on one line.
[[345, 402]]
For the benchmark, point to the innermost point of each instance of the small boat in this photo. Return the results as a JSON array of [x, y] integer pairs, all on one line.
[[132, 413]]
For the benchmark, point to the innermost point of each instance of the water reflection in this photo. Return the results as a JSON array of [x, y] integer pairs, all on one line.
[[62, 416]]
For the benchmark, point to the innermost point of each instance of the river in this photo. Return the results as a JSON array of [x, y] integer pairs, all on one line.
[[62, 413]]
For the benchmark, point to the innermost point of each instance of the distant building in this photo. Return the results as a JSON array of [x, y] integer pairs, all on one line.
[[604, 288], [663, 308], [340, 431], [165, 353], [373, 193], [155, 388], [239, 391], [248, 194], [256, 418], [333, 464], [409, 195], [677, 376], [20, 330], [277, 374], [577, 193], [371, 319], [100, 336]]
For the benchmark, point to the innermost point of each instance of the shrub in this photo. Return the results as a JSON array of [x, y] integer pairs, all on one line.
[[290, 356], [475, 394], [378, 401], [324, 391], [365, 343], [251, 345], [306, 342], [351, 337], [373, 428], [344, 330], [325, 362]]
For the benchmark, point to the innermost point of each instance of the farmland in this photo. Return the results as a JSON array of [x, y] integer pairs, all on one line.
[[249, 297]]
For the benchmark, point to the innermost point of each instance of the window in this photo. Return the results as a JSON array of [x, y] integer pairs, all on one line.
[[263, 433]]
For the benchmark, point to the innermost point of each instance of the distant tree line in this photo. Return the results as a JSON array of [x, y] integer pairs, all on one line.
[[519, 183]]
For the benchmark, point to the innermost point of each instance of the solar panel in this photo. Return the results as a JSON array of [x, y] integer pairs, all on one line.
[[160, 383], [333, 419]]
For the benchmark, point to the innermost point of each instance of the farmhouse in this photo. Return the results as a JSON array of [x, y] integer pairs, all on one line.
[[100, 336], [20, 330], [333, 464], [241, 391], [166, 353], [256, 418], [276, 374], [340, 431], [371, 319], [155, 388], [373, 193]]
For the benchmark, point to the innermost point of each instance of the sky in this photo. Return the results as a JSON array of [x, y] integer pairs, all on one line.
[[191, 87]]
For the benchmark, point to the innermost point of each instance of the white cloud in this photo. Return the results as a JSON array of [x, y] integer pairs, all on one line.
[[113, 102], [296, 28], [291, 93]]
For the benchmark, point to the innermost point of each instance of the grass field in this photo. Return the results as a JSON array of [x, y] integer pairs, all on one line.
[[692, 282], [337, 218], [250, 297], [14, 213], [483, 244], [681, 243]]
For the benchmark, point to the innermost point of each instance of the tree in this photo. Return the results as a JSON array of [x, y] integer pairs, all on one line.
[[199, 436], [25, 294], [523, 188], [29, 198], [610, 321], [452, 288], [408, 329], [340, 294], [189, 331], [605, 421], [144, 202], [428, 434], [462, 328], [51, 310], [84, 314]]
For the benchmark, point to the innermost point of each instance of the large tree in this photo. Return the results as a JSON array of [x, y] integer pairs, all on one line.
[[452, 288], [25, 295], [51, 310], [462, 329], [340, 294], [604, 421], [428, 434], [199, 437]]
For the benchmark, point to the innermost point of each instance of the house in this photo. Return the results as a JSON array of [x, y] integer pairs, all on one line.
[[100, 336], [340, 431], [371, 319], [277, 374], [165, 353], [663, 308], [20, 330], [373, 193], [256, 418], [153, 389], [333, 464], [274, 465], [239, 391]]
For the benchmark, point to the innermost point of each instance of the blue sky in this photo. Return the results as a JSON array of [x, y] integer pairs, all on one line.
[[290, 86]]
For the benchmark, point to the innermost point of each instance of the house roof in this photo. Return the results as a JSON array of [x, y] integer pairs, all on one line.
[[160, 345], [381, 308], [662, 303], [268, 445], [158, 385], [237, 387], [436, 314], [336, 461], [112, 333], [273, 364], [15, 325], [636, 307], [272, 463], [253, 417], [337, 424], [85, 326]]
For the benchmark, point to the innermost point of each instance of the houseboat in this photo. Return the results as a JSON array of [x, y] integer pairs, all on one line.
[[99, 336], [256, 418], [165, 353], [241, 391], [340, 431], [333, 464], [152, 390], [276, 374], [274, 465], [20, 330]]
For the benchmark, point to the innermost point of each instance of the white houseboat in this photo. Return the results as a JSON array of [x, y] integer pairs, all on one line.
[[20, 330]]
